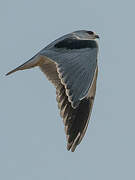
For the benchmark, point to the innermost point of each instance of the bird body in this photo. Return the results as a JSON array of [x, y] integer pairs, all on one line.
[[70, 63]]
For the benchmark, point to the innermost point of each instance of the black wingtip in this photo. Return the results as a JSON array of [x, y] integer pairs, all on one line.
[[69, 145]]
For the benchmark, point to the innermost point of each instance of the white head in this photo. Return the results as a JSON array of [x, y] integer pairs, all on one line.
[[85, 35]]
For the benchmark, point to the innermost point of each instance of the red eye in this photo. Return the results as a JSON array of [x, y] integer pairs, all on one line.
[[90, 32]]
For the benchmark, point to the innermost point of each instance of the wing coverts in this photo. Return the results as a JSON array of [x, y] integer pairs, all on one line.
[[76, 71]]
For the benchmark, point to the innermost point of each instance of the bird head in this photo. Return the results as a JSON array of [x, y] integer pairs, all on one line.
[[85, 35]]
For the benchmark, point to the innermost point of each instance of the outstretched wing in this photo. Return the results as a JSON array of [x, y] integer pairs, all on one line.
[[75, 119], [75, 67]]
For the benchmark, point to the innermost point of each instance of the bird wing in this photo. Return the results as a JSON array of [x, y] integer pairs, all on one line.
[[76, 70], [75, 119]]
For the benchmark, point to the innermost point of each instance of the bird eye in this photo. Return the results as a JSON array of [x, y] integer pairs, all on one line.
[[90, 32]]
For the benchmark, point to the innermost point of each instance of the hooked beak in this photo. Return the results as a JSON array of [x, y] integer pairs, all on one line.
[[97, 36]]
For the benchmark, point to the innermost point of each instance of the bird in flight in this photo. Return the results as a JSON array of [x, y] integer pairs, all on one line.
[[70, 63]]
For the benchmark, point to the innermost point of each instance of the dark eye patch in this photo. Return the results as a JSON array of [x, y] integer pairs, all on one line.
[[76, 44], [90, 32]]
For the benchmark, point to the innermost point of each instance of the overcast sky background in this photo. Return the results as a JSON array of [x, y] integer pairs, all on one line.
[[32, 139]]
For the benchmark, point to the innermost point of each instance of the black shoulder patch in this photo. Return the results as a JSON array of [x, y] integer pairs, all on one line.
[[76, 44]]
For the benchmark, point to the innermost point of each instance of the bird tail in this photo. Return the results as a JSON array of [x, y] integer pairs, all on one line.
[[34, 61]]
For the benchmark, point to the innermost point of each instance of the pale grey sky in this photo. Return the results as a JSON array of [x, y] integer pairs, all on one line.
[[32, 139]]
